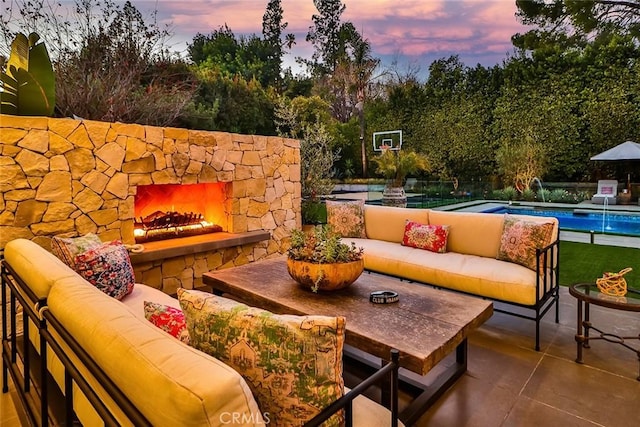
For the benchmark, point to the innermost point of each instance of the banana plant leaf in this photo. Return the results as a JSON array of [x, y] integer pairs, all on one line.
[[29, 83]]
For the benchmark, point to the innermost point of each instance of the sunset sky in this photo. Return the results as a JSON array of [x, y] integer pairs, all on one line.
[[417, 31]]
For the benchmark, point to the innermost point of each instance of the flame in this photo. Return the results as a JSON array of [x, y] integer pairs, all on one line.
[[208, 199]]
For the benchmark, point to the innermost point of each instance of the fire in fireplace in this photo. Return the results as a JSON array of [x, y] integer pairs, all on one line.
[[167, 211]]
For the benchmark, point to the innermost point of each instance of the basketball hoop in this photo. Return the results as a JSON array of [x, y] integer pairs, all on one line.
[[387, 140]]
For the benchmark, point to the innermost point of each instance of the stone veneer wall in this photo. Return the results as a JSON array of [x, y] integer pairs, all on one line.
[[70, 177]]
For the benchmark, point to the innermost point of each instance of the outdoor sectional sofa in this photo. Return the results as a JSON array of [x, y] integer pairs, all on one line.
[[105, 364], [470, 263]]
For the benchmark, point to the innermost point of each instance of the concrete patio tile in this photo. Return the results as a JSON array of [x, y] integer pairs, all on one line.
[[590, 393], [531, 413]]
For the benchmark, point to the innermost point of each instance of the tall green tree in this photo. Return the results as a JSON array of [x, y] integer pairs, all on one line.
[[331, 38], [272, 28]]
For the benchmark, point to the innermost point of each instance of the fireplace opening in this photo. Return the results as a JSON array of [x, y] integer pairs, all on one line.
[[167, 211]]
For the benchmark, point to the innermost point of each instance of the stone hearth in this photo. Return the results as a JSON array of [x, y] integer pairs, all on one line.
[[71, 177]]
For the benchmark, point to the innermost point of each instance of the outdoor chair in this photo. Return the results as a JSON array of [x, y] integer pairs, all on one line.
[[607, 189]]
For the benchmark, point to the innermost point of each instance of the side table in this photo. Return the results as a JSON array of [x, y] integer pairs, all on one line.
[[588, 293]]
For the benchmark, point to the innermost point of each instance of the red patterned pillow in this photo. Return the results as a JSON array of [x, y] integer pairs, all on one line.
[[422, 236], [108, 268], [169, 319]]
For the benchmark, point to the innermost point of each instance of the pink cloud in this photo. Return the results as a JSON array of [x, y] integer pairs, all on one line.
[[413, 28]]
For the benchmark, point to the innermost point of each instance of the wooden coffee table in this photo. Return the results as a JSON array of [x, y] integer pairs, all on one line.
[[425, 326]]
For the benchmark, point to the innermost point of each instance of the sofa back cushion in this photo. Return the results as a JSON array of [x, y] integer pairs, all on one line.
[[471, 233], [292, 363], [39, 268], [169, 382], [387, 223]]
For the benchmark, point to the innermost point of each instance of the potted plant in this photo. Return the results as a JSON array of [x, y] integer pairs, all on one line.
[[319, 260], [395, 166]]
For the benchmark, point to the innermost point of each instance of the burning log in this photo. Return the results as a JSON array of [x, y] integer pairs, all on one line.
[[168, 225]]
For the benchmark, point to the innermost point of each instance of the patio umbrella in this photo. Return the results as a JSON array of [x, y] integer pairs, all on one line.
[[627, 151]]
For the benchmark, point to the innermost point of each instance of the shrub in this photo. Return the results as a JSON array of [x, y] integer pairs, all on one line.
[[581, 195], [314, 212], [498, 195], [559, 195], [543, 195], [528, 194], [510, 193]]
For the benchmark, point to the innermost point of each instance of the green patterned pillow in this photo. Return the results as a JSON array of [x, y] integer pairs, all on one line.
[[293, 364], [67, 248], [346, 218], [520, 239]]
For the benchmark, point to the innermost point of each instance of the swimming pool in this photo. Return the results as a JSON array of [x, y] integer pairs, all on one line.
[[582, 220]]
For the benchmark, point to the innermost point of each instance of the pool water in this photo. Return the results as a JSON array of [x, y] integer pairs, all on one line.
[[581, 220]]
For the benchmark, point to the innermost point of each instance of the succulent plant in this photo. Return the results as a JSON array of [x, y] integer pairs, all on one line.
[[322, 246]]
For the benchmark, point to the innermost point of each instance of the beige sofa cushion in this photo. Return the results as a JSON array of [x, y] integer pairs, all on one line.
[[367, 413], [387, 223], [141, 293], [481, 276], [470, 232], [39, 268], [169, 382]]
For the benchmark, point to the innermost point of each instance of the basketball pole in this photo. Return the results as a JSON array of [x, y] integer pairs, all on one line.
[[362, 147]]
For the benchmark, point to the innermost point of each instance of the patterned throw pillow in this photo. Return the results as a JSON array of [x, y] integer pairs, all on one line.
[[169, 319], [346, 218], [108, 268], [430, 237], [293, 364], [67, 248], [520, 239]]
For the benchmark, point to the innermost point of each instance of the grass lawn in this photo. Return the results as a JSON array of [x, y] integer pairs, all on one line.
[[583, 262]]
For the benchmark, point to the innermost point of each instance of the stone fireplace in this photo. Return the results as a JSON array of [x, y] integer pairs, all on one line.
[[71, 177]]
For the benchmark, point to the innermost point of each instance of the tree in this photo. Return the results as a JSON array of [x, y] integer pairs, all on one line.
[[272, 28], [120, 73], [364, 65], [330, 38], [317, 154], [231, 103], [574, 21], [519, 163]]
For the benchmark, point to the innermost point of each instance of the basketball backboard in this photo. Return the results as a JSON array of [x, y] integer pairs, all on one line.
[[387, 140]]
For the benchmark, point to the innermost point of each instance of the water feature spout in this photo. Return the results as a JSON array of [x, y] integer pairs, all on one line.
[[536, 179], [604, 215]]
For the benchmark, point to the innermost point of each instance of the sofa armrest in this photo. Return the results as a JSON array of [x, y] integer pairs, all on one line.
[[346, 401], [547, 261]]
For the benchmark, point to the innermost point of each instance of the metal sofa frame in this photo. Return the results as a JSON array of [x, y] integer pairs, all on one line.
[[45, 404]]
